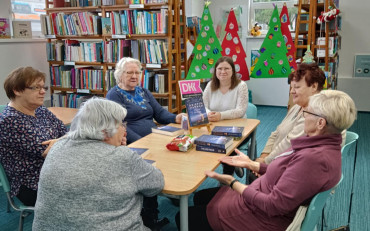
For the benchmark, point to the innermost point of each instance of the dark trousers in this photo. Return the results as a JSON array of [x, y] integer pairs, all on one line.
[[227, 169], [27, 196], [198, 213]]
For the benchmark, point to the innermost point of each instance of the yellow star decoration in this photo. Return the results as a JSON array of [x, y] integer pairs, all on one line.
[[207, 3]]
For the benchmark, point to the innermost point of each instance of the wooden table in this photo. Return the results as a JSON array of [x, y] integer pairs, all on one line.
[[65, 114], [184, 171]]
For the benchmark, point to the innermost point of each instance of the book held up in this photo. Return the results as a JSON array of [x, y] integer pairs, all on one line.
[[168, 130]]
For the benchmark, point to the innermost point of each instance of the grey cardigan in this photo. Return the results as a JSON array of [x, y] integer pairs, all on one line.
[[91, 185]]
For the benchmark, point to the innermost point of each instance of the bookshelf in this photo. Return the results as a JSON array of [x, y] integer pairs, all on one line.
[[323, 38], [85, 43]]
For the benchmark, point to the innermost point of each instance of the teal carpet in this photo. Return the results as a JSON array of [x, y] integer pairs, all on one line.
[[337, 207]]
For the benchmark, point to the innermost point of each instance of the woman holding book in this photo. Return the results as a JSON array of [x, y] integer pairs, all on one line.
[[91, 179], [141, 106], [226, 96], [26, 130], [310, 166]]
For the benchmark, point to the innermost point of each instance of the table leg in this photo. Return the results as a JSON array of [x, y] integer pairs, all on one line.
[[253, 154], [184, 226]]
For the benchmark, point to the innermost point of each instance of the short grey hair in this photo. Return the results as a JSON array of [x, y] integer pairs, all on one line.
[[121, 67], [97, 119], [337, 107]]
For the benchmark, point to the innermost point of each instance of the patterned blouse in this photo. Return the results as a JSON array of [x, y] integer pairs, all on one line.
[[20, 144]]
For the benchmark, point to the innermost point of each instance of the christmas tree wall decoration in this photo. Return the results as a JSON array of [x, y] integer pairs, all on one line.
[[272, 62], [285, 23], [308, 57], [232, 47], [207, 49]]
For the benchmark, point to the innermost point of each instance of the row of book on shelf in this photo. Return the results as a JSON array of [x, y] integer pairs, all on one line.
[[92, 78], [123, 22], [147, 51], [83, 3]]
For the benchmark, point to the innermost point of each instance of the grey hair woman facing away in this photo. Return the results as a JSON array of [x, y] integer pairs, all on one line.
[[91, 179]]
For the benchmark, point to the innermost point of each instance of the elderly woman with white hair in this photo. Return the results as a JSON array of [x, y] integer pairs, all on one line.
[[141, 106], [310, 166], [90, 181]]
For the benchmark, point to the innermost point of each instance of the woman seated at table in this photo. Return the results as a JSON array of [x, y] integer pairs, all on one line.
[[141, 106], [24, 125], [308, 80], [310, 166], [90, 181], [226, 96]]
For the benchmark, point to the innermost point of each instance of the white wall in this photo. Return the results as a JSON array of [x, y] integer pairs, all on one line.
[[355, 39], [16, 54]]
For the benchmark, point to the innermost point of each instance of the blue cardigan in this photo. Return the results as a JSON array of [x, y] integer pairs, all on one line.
[[139, 120]]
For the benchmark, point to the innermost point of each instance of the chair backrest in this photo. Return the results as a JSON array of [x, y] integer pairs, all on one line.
[[351, 138], [251, 111], [4, 180], [315, 208], [2, 107]]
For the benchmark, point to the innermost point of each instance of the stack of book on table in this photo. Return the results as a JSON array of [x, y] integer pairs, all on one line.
[[212, 143], [232, 131]]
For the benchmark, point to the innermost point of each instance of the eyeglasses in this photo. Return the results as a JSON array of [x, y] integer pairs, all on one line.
[[38, 88], [223, 69], [131, 73], [307, 112], [124, 124]]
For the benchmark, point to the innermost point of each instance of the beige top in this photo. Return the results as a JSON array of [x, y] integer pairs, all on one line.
[[290, 128]]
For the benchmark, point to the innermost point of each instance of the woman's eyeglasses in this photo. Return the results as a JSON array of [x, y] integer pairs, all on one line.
[[307, 112], [38, 88], [131, 73]]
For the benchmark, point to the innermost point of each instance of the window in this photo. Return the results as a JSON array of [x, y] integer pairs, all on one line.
[[261, 11], [29, 10]]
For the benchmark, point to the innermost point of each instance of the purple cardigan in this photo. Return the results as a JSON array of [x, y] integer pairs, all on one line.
[[312, 165]]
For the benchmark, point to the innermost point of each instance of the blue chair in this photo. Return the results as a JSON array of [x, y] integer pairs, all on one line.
[[252, 111], [24, 210], [2, 107], [314, 210]]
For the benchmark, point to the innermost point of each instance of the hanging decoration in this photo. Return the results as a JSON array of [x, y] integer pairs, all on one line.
[[207, 49], [285, 23], [273, 62], [233, 48]]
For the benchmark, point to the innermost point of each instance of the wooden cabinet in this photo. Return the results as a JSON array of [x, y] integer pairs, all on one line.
[[85, 43]]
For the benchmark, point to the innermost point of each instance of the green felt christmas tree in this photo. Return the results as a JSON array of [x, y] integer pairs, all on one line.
[[308, 57], [273, 62], [207, 49]]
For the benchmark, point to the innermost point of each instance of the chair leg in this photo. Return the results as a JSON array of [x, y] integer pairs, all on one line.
[[21, 218], [7, 207]]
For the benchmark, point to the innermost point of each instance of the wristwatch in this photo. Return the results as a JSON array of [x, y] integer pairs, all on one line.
[[232, 183]]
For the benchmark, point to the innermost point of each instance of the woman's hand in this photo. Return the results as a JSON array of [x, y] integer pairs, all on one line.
[[241, 160], [261, 159], [50, 143], [214, 116], [179, 117], [223, 178]]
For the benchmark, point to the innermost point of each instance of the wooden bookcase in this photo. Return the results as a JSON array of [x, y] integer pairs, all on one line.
[[174, 39], [323, 39]]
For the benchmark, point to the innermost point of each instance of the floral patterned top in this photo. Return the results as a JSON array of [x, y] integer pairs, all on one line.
[[21, 136]]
